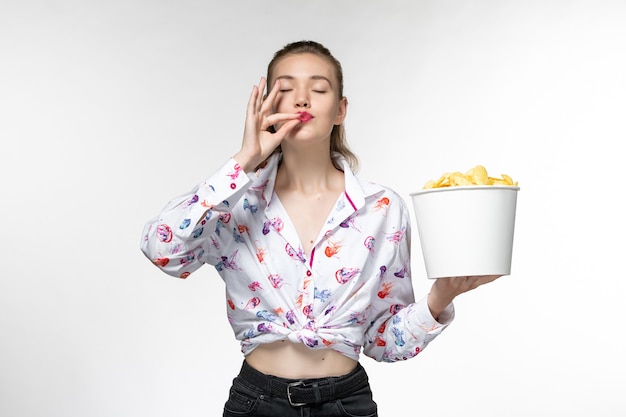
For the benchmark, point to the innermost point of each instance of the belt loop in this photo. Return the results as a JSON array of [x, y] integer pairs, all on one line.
[[318, 395], [331, 385]]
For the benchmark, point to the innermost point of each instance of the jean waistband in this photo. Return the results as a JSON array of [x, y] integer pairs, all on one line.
[[307, 391]]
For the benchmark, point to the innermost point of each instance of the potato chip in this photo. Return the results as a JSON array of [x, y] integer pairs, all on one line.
[[456, 178], [475, 176], [478, 175]]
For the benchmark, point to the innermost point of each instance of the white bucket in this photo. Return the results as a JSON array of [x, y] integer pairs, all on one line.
[[466, 230]]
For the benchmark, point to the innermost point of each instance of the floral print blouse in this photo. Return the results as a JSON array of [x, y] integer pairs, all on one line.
[[352, 294]]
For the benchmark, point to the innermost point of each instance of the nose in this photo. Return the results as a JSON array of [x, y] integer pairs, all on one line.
[[302, 101]]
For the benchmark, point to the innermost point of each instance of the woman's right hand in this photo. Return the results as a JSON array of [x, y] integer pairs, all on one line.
[[258, 141]]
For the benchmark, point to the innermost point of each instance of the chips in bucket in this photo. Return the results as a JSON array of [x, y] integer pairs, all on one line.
[[475, 176], [466, 223]]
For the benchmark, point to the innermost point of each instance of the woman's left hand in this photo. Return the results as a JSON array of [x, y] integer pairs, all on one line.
[[444, 290]]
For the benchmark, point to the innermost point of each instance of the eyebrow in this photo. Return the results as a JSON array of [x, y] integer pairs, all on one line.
[[313, 77]]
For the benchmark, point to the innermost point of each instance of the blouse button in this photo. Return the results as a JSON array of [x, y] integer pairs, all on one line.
[[308, 273], [233, 186]]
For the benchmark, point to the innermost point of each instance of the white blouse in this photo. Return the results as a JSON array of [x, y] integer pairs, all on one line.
[[353, 292]]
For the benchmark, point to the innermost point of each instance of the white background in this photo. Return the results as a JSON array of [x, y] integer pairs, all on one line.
[[110, 108]]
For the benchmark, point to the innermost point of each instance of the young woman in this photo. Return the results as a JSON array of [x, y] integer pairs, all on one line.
[[316, 261]]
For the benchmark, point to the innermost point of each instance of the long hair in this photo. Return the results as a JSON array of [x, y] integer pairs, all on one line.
[[338, 141]]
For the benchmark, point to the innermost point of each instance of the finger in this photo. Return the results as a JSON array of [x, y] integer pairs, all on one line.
[[286, 128], [276, 118], [489, 278], [261, 90], [477, 281], [268, 101], [253, 100]]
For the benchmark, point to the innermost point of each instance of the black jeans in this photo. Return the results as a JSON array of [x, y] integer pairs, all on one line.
[[254, 394]]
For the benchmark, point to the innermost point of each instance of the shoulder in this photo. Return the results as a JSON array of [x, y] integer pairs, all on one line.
[[374, 190], [373, 195], [379, 197]]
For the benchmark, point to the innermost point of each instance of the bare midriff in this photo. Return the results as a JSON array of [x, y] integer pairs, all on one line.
[[296, 361]]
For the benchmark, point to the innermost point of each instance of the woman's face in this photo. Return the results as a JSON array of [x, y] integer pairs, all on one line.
[[308, 86]]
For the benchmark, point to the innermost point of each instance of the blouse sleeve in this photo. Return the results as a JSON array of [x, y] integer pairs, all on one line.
[[180, 238], [401, 328]]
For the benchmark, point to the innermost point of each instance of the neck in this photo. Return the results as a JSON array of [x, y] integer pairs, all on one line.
[[308, 170]]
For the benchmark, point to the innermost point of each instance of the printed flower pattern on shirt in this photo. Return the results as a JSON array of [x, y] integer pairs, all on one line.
[[352, 293]]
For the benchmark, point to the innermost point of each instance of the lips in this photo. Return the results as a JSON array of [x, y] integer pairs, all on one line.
[[304, 116]]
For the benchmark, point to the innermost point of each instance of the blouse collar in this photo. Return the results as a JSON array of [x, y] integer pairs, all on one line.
[[356, 189]]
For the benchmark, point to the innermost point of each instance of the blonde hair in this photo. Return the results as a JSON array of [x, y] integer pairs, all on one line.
[[338, 141]]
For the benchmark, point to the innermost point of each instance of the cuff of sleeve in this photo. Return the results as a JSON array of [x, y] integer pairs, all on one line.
[[425, 320], [229, 179], [446, 316], [218, 192]]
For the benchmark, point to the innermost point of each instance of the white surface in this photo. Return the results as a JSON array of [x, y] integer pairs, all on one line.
[[109, 108], [466, 230]]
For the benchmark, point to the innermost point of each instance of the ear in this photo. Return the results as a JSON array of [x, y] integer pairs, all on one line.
[[342, 110]]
